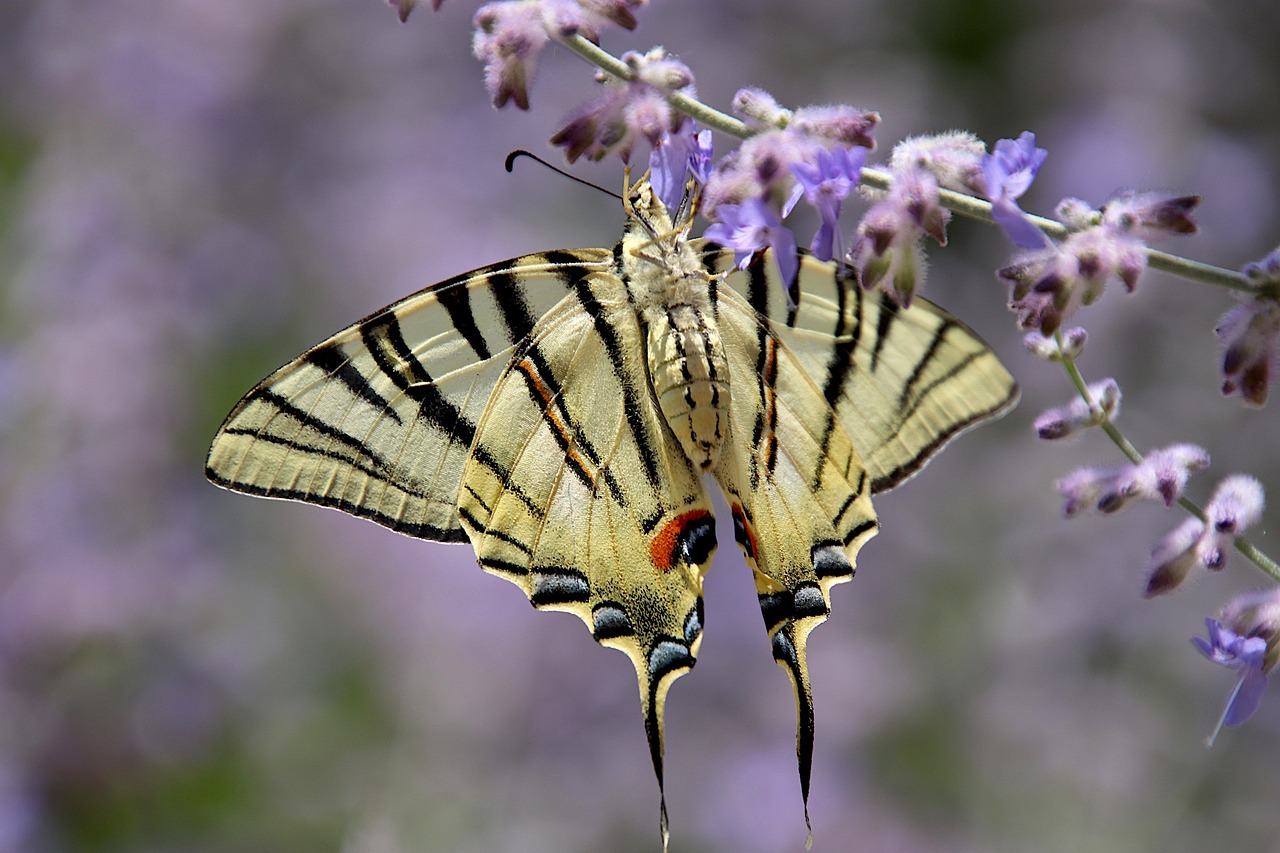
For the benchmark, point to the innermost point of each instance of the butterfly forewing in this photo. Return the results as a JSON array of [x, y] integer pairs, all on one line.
[[378, 420], [904, 382]]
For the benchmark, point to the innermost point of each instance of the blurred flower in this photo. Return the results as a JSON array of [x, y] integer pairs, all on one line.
[[1248, 334], [1257, 614], [1150, 216], [628, 110], [1235, 505], [1062, 421], [1007, 174], [1064, 345], [760, 110], [1049, 284], [1243, 654], [954, 158], [826, 185], [1174, 557], [751, 226], [511, 34], [509, 38], [1160, 476], [886, 249]]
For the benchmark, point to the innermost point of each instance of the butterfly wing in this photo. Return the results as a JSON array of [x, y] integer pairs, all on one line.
[[903, 382], [836, 395], [379, 420], [577, 491]]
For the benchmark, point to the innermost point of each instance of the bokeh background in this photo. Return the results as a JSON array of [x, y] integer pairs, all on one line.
[[194, 191]]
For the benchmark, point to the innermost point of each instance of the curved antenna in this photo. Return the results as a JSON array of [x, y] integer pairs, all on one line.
[[520, 152]]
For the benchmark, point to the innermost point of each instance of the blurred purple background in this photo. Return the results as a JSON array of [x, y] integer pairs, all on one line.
[[194, 191]]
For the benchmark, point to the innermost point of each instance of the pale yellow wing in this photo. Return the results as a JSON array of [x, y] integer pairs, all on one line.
[[800, 496], [379, 420], [577, 491], [902, 382], [836, 395]]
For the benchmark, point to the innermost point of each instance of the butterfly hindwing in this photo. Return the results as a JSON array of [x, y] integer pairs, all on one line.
[[577, 491], [799, 494]]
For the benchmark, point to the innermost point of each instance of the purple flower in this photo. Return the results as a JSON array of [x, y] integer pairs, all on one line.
[[509, 37], [676, 158], [826, 185], [751, 226], [1246, 656], [627, 110], [1250, 338], [1008, 173]]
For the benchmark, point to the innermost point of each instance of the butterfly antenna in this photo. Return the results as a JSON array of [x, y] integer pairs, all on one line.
[[520, 152]]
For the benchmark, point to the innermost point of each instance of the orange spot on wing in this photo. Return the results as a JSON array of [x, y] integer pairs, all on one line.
[[663, 547], [748, 540]]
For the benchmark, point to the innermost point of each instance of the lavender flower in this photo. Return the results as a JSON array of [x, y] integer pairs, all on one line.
[[628, 110], [1067, 345], [1150, 215], [509, 38], [1248, 334], [1049, 284], [953, 158], [1161, 475], [1007, 174], [826, 185], [676, 158], [1257, 614], [1236, 505], [751, 226], [886, 251], [1243, 654], [1174, 557], [404, 7], [1078, 414]]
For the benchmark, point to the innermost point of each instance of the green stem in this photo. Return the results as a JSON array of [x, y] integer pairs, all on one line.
[[965, 205], [1243, 545]]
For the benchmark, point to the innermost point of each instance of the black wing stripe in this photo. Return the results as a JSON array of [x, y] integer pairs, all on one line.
[[419, 530], [939, 335], [457, 302], [631, 406], [334, 362], [434, 406]]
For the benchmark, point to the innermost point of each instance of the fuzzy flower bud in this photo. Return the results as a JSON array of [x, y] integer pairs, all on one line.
[[1236, 504], [953, 158], [509, 37], [1077, 214], [837, 125], [1066, 420], [1161, 476], [760, 110], [1150, 215], [627, 111], [1068, 344], [1174, 557], [1248, 334]]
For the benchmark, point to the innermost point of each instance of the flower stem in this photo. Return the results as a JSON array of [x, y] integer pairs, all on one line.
[[1243, 545], [965, 205]]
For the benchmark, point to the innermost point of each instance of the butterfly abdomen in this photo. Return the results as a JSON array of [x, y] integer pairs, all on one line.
[[690, 378]]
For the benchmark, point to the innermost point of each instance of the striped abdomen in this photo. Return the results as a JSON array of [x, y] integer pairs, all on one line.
[[690, 378]]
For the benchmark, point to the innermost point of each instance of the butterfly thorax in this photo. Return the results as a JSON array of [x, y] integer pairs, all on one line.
[[687, 368]]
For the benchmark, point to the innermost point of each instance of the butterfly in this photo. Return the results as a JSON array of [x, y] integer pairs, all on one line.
[[559, 412]]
